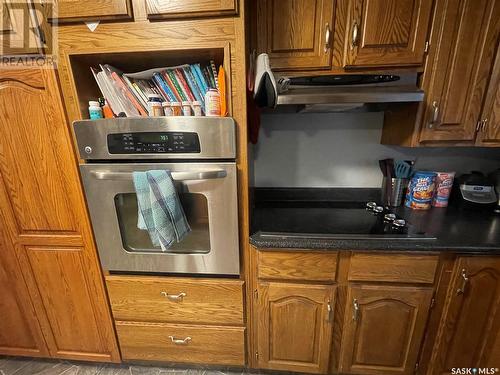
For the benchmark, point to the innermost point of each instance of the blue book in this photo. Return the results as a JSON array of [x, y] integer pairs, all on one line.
[[163, 85], [196, 69], [193, 86]]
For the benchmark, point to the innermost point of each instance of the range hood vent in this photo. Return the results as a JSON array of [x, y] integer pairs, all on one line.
[[336, 90]]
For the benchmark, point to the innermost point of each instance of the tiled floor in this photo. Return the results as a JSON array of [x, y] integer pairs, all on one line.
[[29, 366]]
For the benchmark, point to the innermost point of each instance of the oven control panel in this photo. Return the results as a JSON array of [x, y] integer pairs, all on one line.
[[153, 143]]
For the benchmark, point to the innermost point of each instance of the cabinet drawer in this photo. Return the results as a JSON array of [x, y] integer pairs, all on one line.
[[393, 268], [166, 299], [182, 343], [164, 9], [298, 265], [80, 10]]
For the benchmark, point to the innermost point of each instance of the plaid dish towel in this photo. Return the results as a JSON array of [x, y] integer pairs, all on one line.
[[159, 208]]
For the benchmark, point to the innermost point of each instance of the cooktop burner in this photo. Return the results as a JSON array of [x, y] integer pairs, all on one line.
[[349, 220]]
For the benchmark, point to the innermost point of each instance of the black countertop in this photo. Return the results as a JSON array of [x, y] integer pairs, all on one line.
[[454, 229]]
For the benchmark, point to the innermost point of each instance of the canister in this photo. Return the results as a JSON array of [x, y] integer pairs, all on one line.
[[421, 190]]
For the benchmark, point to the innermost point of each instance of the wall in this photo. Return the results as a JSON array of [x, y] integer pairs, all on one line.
[[342, 150]]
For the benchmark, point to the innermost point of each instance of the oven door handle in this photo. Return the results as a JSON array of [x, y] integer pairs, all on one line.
[[177, 176]]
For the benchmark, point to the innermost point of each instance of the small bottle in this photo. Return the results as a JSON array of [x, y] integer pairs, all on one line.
[[176, 108], [197, 108], [167, 109], [212, 103], [186, 109], [155, 108], [106, 109], [95, 110]]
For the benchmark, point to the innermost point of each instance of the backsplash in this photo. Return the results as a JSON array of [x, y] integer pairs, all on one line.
[[342, 150]]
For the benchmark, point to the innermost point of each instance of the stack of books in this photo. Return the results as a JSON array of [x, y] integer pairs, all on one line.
[[127, 94]]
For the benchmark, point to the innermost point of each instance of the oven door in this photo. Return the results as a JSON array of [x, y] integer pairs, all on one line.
[[207, 192]]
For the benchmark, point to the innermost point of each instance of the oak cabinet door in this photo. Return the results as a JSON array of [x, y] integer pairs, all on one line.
[[98, 10], [464, 38], [43, 212], [164, 9], [386, 32], [469, 332], [296, 34], [295, 326], [383, 329], [489, 131], [20, 333]]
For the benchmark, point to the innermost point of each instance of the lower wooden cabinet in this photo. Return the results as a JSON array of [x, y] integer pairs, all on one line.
[[217, 345], [295, 326], [383, 329], [469, 332]]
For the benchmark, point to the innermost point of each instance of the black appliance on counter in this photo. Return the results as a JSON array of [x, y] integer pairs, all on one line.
[[474, 191]]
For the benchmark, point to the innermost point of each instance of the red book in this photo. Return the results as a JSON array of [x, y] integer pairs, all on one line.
[[182, 81], [172, 86], [130, 96]]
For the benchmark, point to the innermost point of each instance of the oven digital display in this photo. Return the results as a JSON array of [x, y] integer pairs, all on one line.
[[153, 143]]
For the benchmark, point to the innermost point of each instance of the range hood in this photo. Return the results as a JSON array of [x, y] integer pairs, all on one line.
[[332, 91]]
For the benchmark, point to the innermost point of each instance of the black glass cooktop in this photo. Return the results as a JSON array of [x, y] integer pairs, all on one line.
[[333, 220]]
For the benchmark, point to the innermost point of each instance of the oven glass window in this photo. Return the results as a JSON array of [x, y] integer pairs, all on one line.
[[136, 240]]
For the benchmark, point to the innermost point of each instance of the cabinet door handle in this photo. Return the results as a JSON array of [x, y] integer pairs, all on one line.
[[484, 125], [329, 311], [174, 297], [328, 34], [465, 280], [435, 114], [355, 315], [355, 34], [184, 341]]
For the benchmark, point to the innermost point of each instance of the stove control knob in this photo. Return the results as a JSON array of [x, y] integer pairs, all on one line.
[[371, 205], [389, 217], [88, 149], [399, 223], [379, 209]]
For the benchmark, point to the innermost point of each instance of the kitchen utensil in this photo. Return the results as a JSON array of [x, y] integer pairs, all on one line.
[[402, 169]]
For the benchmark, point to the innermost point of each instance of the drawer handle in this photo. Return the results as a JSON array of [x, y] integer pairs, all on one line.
[[180, 341], [174, 297], [465, 279], [355, 315]]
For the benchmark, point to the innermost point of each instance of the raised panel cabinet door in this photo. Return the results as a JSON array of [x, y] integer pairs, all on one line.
[[98, 10], [383, 329], [295, 326], [464, 38], [296, 34], [164, 9], [469, 332], [20, 333], [489, 131], [383, 33]]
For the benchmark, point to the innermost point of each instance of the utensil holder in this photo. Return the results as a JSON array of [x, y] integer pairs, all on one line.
[[397, 191]]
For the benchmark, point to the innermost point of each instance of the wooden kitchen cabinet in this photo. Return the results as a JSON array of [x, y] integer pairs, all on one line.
[[165, 9], [42, 212], [95, 10], [20, 333], [296, 34], [469, 330], [383, 328], [295, 326], [489, 130], [384, 33]]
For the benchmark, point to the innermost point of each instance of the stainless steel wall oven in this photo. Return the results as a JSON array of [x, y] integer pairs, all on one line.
[[200, 154]]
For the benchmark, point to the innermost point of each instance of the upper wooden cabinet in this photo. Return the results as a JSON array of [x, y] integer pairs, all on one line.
[[469, 331], [164, 9], [463, 43], [95, 10], [383, 329], [297, 34], [42, 211], [489, 125], [385, 32], [295, 326]]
